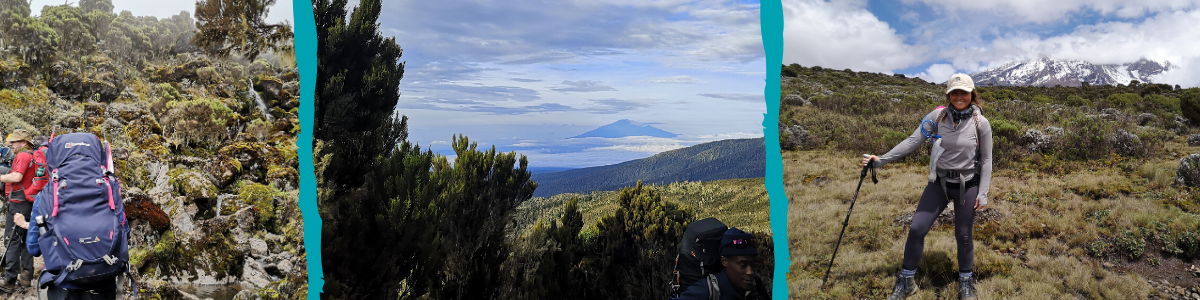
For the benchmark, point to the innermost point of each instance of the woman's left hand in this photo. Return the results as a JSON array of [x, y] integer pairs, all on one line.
[[977, 206]]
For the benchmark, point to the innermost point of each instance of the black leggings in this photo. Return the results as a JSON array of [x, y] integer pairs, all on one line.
[[933, 201]]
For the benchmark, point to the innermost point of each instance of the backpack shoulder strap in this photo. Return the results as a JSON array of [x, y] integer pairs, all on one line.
[[714, 290]]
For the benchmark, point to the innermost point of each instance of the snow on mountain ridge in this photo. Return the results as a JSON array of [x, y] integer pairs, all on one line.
[[1049, 72]]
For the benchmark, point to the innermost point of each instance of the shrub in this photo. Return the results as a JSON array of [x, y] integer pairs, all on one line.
[[1073, 100], [1124, 101], [1189, 103]]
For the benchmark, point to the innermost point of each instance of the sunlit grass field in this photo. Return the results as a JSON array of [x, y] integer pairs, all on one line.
[[1094, 214], [741, 203]]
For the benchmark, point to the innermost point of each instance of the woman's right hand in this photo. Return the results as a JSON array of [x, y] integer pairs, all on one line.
[[868, 157]]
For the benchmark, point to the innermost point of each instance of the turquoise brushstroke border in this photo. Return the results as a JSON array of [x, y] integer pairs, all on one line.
[[771, 16], [306, 60]]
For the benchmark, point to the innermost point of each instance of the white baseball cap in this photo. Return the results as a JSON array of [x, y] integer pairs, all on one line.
[[960, 81]]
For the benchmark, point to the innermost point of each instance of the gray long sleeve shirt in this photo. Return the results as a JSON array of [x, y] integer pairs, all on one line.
[[959, 143]]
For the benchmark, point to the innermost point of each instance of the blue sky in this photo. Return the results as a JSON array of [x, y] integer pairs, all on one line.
[[526, 75], [282, 11], [933, 39]]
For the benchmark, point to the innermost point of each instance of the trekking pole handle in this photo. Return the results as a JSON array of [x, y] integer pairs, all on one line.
[[870, 166]]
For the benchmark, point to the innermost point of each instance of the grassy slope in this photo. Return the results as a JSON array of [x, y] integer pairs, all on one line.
[[725, 159], [740, 203], [1067, 229]]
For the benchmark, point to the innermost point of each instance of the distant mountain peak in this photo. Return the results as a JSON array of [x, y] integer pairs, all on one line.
[[1045, 71], [624, 128]]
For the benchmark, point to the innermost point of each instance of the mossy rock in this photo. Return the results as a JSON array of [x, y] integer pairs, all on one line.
[[215, 253], [225, 169], [12, 99], [202, 122], [262, 197], [175, 73], [133, 171], [100, 85], [288, 288], [146, 134], [283, 177], [261, 66], [231, 206], [14, 74], [209, 75], [253, 156], [141, 207], [269, 87], [192, 184]]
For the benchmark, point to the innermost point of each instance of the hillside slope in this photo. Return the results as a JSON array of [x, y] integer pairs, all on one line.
[[726, 159]]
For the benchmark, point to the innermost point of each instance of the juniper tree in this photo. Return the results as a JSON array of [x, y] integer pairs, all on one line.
[[357, 87], [227, 26]]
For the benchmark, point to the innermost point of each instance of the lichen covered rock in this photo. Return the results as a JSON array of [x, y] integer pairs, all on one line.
[[192, 184]]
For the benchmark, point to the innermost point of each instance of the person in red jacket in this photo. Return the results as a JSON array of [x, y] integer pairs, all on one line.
[[17, 258]]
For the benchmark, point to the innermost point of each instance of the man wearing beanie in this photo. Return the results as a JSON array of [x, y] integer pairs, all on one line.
[[737, 280]]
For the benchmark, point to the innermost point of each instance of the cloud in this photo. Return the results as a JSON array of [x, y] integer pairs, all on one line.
[[583, 86], [525, 80], [937, 73], [1058, 11], [737, 97], [612, 106], [458, 105], [528, 32], [444, 71], [1164, 37], [681, 79], [638, 148], [843, 34]]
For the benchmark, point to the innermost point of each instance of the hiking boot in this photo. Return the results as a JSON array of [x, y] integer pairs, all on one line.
[[25, 280], [966, 289], [9, 286], [905, 286]]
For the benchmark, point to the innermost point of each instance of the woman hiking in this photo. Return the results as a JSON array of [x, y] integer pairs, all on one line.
[[961, 173]]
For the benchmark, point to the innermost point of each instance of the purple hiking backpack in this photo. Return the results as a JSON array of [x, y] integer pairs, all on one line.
[[87, 236]]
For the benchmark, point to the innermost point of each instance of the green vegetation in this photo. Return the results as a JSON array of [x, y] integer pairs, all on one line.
[[402, 222], [1093, 214], [626, 238], [725, 159], [177, 120], [227, 26]]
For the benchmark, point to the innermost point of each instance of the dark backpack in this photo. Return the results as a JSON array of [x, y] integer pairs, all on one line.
[[699, 254], [86, 240], [41, 172]]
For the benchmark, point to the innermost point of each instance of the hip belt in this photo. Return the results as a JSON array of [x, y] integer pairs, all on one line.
[[961, 175]]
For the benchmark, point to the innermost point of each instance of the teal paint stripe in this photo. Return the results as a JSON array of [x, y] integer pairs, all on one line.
[[771, 14], [306, 59]]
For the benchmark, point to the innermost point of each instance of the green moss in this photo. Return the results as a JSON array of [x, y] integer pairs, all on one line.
[[215, 252], [166, 245], [261, 197], [137, 256], [11, 99], [220, 115], [191, 184], [168, 92]]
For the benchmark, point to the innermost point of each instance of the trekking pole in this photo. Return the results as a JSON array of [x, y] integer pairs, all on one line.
[[870, 166]]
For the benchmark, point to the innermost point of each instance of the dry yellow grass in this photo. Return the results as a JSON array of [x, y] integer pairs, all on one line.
[[1041, 247]]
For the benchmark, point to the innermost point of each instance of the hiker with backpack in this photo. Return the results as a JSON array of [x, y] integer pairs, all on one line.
[[18, 261], [737, 279], [960, 174], [81, 207]]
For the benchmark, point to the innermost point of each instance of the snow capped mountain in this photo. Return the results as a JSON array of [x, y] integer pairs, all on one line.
[[1049, 72]]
